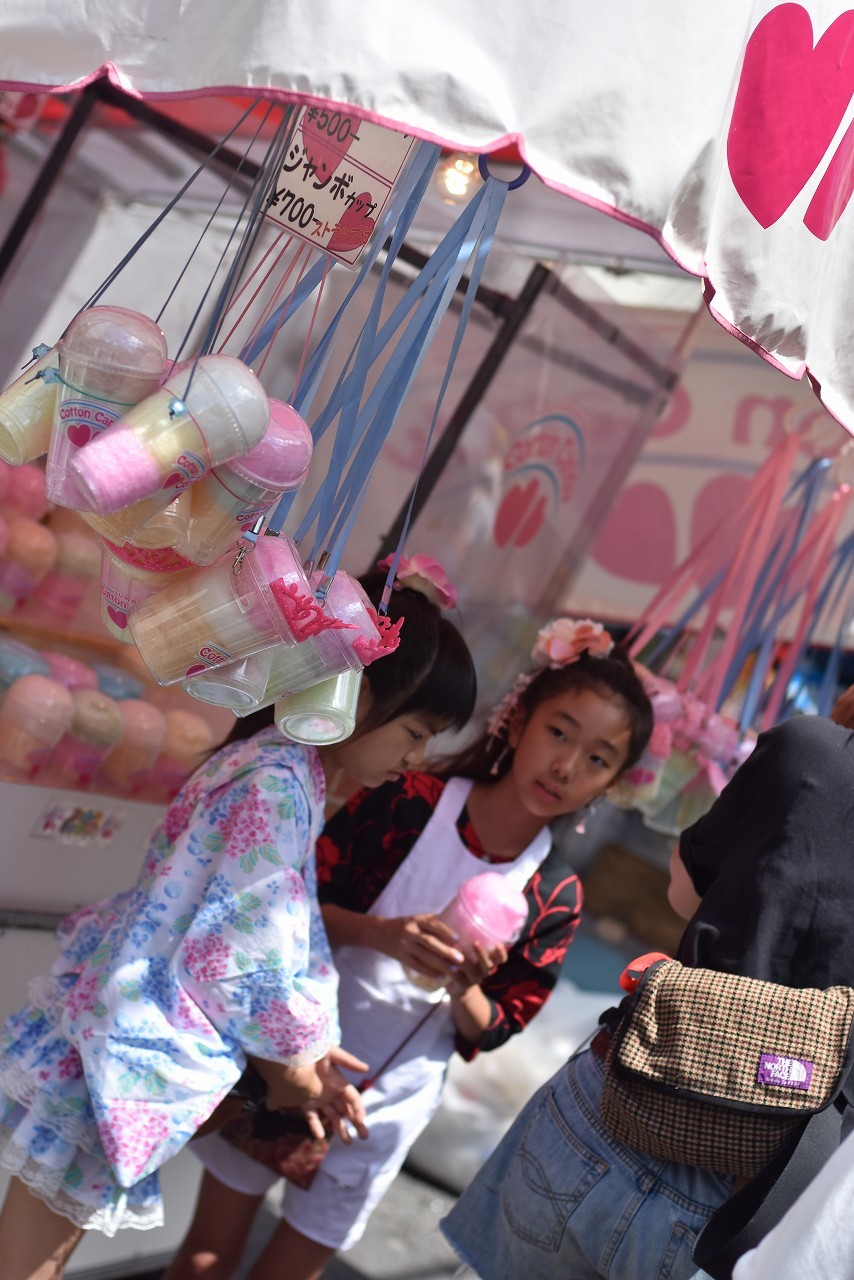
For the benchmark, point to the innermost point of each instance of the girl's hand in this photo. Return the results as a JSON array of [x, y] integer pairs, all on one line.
[[340, 1103], [479, 963], [423, 943]]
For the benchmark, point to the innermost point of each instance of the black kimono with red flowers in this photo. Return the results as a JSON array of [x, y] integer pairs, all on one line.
[[365, 842]]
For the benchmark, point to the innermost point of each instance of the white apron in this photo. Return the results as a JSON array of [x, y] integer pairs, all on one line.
[[378, 1008]]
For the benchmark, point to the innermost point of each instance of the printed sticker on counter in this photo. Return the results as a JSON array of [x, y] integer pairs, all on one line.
[[77, 824]]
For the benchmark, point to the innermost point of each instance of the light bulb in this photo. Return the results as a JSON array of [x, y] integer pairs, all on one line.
[[457, 178]]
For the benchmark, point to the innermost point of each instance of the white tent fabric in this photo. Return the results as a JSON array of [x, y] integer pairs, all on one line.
[[722, 129]]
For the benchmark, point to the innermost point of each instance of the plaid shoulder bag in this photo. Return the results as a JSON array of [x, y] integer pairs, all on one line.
[[731, 1074]]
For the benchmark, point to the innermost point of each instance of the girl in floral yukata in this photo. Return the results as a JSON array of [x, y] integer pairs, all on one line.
[[218, 955], [387, 864]]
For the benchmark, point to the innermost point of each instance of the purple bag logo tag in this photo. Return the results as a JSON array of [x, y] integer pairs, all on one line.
[[786, 1073]]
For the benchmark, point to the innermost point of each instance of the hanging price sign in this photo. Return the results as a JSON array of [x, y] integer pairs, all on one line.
[[336, 179]]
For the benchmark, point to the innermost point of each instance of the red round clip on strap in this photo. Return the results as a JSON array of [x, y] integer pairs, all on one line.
[[634, 971]]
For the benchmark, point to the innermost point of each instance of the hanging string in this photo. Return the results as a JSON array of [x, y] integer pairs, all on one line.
[[227, 188], [397, 216], [264, 279], [256, 201], [284, 310], [307, 342], [120, 266]]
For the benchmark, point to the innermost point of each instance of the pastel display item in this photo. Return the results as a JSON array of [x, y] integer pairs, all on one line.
[[18, 659], [109, 359], [78, 561], [69, 671], [323, 714], [4, 536], [129, 575], [30, 554], [148, 523], [27, 411], [487, 909], [188, 740], [128, 766], [232, 497], [97, 726], [679, 769], [26, 496], [34, 715], [116, 682], [195, 421], [6, 473], [338, 635], [223, 613]]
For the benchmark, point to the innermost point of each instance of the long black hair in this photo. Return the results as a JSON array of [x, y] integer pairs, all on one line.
[[431, 670], [489, 757]]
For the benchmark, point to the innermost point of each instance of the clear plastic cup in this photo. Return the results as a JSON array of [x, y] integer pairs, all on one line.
[[30, 554], [232, 497], [147, 523], [27, 410], [34, 715], [225, 612], [97, 726], [198, 419], [129, 575], [109, 359], [487, 909], [128, 765], [317, 650], [322, 714]]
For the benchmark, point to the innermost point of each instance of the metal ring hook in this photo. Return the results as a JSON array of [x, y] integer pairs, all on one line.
[[483, 166]]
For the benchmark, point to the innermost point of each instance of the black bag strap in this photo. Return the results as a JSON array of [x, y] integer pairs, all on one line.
[[749, 1215]]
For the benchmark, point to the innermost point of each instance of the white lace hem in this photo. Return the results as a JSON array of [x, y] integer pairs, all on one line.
[[47, 1185]]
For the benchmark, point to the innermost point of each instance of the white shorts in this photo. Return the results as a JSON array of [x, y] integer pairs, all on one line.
[[352, 1179]]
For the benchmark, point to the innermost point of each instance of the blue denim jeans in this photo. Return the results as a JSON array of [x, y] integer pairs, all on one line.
[[562, 1200]]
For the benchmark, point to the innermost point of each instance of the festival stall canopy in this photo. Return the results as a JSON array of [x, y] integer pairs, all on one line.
[[724, 130]]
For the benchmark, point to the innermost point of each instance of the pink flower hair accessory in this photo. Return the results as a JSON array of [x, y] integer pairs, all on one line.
[[563, 640], [424, 574], [559, 643]]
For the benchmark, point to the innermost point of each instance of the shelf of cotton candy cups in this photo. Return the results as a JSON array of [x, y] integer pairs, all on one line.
[[205, 414], [22, 492], [189, 740], [97, 726], [225, 612], [34, 714], [29, 555], [128, 766], [18, 659], [325, 638], [60, 593], [110, 359]]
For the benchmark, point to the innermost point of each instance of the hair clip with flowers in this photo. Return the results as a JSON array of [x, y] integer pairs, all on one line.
[[559, 643]]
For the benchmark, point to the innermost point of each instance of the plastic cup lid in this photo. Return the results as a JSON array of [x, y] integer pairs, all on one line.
[[280, 460]]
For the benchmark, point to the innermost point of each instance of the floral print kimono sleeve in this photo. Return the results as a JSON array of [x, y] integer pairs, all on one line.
[[218, 952], [254, 956]]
